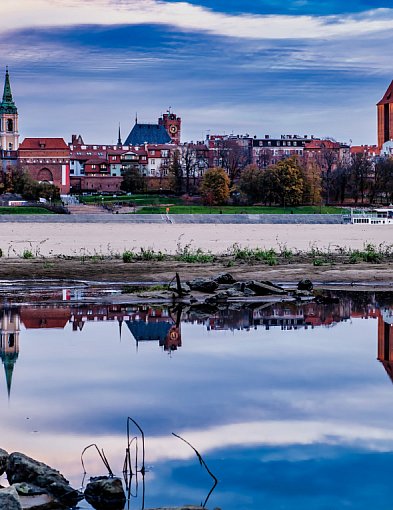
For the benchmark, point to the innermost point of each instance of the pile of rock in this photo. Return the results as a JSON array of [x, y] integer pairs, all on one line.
[[36, 486], [224, 287]]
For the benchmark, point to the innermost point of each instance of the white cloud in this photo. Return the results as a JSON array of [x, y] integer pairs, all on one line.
[[184, 16]]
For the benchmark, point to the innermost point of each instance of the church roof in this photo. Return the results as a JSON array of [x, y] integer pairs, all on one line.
[[388, 97], [143, 331], [147, 133], [7, 104]]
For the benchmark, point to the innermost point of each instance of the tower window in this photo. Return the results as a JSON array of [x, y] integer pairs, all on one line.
[[10, 125]]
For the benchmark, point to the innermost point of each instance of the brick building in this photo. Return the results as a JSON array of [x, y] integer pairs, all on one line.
[[385, 117], [47, 160]]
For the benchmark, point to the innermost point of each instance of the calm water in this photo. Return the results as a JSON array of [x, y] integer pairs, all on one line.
[[289, 405]]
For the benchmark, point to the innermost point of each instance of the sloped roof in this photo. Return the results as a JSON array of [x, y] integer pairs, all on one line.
[[147, 133], [7, 105], [143, 331], [49, 143], [388, 97]]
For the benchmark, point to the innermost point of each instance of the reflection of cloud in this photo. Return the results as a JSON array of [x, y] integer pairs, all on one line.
[[185, 16]]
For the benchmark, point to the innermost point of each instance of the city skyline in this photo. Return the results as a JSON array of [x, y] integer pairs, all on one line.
[[244, 67]]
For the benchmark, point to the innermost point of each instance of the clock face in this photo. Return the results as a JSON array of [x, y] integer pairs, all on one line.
[[173, 129]]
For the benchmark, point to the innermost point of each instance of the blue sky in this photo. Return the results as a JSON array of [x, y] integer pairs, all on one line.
[[239, 66]]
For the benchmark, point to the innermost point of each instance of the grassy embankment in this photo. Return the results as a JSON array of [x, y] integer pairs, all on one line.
[[201, 209], [24, 210]]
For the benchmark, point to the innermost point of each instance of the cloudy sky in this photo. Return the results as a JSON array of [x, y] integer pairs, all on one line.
[[243, 66]]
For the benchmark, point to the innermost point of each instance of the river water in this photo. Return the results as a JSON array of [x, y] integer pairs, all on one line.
[[289, 404]]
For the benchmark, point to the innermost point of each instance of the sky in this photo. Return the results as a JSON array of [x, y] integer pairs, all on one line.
[[244, 66]]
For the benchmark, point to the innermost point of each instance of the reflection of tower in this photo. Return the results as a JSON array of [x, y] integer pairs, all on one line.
[[385, 340], [9, 343]]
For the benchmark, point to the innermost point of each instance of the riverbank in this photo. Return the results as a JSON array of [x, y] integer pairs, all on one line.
[[116, 271]]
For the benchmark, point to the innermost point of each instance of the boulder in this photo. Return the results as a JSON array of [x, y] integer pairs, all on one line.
[[305, 285], [21, 468], [224, 278], [105, 493], [9, 499], [207, 285], [3, 460], [259, 288]]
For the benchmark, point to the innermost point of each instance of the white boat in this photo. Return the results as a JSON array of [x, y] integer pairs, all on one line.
[[377, 216]]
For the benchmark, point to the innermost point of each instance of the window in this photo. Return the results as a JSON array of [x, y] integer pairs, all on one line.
[[153, 161], [10, 125]]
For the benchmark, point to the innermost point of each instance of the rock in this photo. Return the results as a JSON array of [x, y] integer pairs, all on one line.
[[9, 499], [232, 293], [3, 460], [264, 288], [28, 489], [184, 287], [203, 285], [305, 285], [249, 292], [21, 468], [224, 278], [105, 493], [41, 502]]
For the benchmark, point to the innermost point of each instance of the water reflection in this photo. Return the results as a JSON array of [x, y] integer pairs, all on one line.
[[284, 398]]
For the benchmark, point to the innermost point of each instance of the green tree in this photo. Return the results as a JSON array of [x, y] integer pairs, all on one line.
[[215, 186], [176, 180], [251, 183], [133, 181]]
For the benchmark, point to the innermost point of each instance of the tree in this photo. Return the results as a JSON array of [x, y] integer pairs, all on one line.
[[313, 182], [133, 181], [360, 168], [284, 183], [251, 183], [233, 157], [215, 186], [176, 172], [18, 180], [382, 185]]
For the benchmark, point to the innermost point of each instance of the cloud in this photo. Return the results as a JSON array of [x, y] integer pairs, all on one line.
[[187, 17]]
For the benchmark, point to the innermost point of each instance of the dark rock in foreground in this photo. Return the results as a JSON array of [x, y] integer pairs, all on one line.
[[105, 493], [21, 468], [8, 501], [3, 460]]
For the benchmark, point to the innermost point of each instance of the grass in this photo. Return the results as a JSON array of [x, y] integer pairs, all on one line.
[[138, 200], [24, 210], [201, 209]]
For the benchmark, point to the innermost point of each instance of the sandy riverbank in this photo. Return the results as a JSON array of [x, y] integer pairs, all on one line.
[[48, 239]]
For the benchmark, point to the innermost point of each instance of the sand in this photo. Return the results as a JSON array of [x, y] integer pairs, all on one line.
[[48, 239]]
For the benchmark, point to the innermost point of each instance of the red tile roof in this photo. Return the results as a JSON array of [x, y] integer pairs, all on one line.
[[49, 144]]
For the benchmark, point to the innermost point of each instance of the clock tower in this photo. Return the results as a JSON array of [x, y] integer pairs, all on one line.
[[172, 124], [9, 136]]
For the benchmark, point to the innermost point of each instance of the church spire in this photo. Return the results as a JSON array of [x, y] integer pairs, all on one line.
[[119, 142], [7, 105]]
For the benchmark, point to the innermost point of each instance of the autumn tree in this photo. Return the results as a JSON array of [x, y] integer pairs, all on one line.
[[313, 181], [360, 168], [214, 186], [284, 183], [382, 183], [18, 180]]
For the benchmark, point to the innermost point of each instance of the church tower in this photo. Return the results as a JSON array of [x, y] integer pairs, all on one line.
[[385, 117], [9, 136], [172, 124], [9, 343]]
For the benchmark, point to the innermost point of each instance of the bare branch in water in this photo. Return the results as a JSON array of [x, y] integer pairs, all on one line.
[[202, 463], [102, 456]]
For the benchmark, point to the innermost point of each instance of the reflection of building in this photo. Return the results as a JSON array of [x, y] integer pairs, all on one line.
[[153, 324], [9, 343], [385, 340]]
